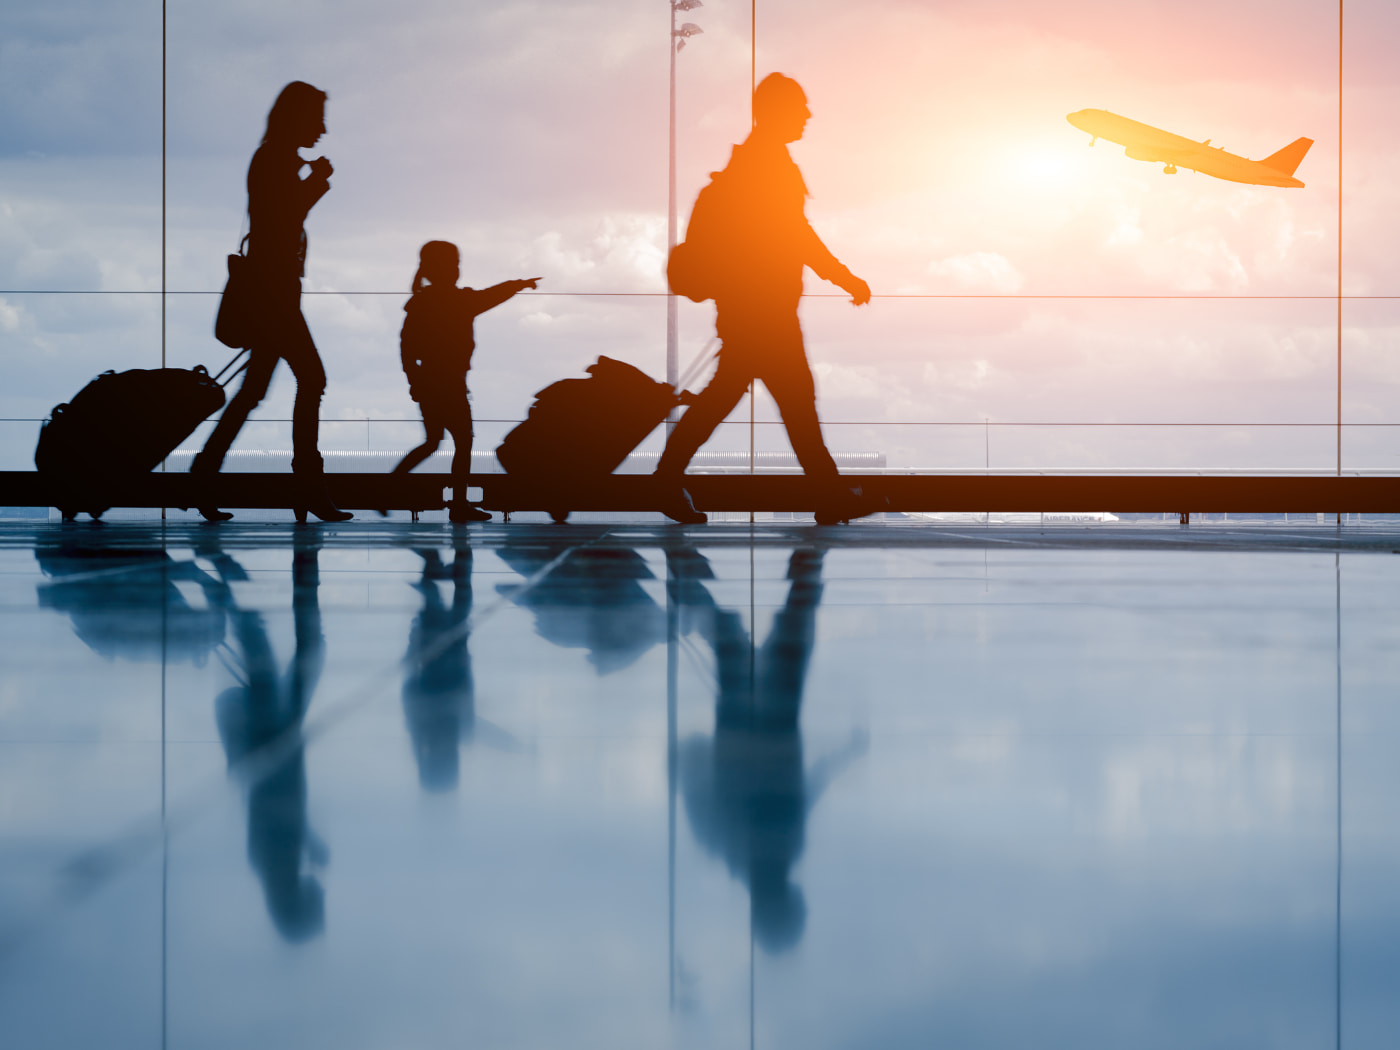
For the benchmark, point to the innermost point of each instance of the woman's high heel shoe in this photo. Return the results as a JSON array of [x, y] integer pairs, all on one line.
[[312, 498], [214, 514], [322, 508]]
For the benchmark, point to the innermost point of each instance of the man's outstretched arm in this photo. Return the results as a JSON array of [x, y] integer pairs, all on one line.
[[826, 266]]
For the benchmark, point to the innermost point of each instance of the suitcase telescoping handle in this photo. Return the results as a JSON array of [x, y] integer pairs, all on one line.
[[698, 366], [234, 374]]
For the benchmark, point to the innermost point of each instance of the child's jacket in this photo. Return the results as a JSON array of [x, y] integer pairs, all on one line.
[[436, 341]]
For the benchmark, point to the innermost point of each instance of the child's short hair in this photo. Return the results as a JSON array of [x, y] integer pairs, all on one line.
[[435, 256]]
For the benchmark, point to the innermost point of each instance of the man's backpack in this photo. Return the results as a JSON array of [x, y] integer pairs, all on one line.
[[698, 265]]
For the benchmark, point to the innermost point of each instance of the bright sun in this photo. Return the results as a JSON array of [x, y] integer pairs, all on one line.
[[1045, 167]]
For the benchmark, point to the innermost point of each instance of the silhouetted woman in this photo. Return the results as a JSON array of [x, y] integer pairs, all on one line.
[[436, 348], [278, 202]]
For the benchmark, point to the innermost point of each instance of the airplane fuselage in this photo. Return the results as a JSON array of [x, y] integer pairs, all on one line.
[[1144, 142]]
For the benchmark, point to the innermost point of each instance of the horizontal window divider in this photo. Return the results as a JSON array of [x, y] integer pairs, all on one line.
[[824, 422], [806, 295]]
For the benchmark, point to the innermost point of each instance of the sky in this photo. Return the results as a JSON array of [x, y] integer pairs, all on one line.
[[940, 163]]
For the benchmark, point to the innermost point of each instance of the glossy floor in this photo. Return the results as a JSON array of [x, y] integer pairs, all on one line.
[[392, 786]]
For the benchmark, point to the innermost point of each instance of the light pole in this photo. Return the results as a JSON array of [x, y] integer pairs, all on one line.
[[676, 42]]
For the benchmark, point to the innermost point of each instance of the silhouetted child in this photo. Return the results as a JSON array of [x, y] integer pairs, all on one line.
[[436, 347]]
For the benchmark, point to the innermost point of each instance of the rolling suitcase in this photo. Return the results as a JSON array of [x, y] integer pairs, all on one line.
[[582, 428], [120, 425]]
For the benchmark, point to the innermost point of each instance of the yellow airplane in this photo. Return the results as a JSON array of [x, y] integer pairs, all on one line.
[[1147, 143]]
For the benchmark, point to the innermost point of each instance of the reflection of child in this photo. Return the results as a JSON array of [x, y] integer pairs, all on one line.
[[436, 347]]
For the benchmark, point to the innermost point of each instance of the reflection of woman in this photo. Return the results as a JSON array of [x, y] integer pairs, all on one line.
[[260, 724], [278, 202]]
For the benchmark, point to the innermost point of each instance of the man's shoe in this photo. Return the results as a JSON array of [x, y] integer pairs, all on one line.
[[846, 504], [202, 482], [679, 508], [460, 513]]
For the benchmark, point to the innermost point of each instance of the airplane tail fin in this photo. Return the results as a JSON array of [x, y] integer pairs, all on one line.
[[1287, 159]]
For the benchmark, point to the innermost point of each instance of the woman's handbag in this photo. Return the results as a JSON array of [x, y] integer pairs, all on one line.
[[233, 325]]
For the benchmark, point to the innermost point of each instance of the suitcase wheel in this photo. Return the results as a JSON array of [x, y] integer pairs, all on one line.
[[559, 516]]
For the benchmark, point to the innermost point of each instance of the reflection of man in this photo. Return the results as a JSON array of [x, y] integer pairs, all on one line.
[[768, 242], [260, 725], [438, 690], [746, 790]]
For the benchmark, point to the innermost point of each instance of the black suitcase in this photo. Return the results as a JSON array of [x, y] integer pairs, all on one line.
[[579, 428], [120, 425]]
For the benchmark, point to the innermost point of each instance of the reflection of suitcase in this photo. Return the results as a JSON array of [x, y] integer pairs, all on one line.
[[585, 427], [119, 425]]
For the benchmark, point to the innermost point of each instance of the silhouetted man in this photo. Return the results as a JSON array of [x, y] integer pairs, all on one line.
[[768, 242], [747, 789]]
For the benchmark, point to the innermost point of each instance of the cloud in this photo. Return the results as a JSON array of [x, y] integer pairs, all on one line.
[[620, 253], [79, 78], [978, 272]]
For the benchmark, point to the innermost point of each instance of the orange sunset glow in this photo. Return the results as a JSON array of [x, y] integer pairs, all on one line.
[[939, 161]]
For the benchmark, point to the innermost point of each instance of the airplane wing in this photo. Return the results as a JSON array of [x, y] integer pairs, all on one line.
[[1219, 164]]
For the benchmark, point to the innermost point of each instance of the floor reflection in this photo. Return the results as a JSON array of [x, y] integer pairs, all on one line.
[[260, 725], [126, 603], [439, 696], [593, 600], [747, 789], [1144, 793]]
